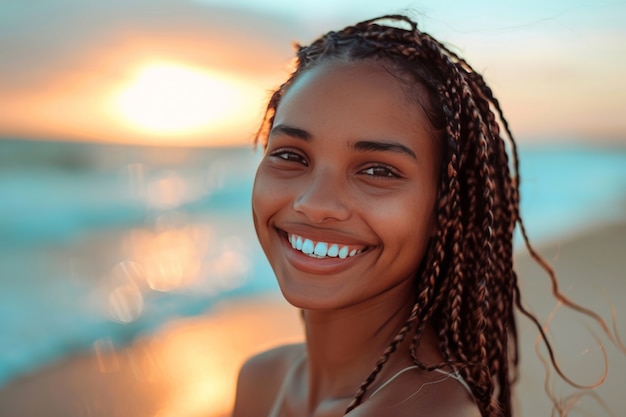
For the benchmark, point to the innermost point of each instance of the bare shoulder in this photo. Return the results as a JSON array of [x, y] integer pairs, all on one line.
[[433, 395], [260, 379]]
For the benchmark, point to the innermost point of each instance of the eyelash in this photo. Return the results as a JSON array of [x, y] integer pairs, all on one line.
[[291, 156], [390, 173]]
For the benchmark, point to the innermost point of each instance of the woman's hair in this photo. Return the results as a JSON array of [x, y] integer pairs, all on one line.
[[466, 287]]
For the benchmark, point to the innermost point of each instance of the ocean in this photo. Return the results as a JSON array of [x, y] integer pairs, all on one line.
[[102, 243]]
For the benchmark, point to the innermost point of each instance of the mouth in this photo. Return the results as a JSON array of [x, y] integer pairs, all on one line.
[[323, 250]]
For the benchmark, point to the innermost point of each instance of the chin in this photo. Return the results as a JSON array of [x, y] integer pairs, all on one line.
[[314, 301]]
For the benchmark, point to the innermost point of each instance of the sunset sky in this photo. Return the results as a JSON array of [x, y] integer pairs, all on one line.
[[198, 72]]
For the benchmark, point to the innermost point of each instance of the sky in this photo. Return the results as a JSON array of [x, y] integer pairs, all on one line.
[[198, 72]]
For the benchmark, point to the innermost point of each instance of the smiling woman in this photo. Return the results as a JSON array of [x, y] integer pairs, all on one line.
[[172, 99]]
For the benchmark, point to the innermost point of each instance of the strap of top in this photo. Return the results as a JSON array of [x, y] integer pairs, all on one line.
[[280, 397], [453, 374]]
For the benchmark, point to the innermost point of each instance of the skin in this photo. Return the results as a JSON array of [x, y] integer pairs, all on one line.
[[350, 161]]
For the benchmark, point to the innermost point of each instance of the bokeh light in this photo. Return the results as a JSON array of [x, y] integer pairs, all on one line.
[[126, 303]]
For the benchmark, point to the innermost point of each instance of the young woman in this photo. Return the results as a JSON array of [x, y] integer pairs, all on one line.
[[385, 205]]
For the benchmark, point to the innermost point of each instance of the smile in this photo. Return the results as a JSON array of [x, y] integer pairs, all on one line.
[[323, 249]]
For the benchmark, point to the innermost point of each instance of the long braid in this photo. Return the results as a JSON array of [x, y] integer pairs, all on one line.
[[427, 294], [478, 376], [480, 304], [466, 280], [503, 243]]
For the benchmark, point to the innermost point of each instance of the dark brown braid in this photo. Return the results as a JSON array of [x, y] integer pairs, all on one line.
[[466, 286]]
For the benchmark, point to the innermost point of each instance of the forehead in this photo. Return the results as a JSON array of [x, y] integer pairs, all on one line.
[[356, 99], [360, 81]]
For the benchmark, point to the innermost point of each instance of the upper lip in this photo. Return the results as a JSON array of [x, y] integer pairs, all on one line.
[[323, 235]]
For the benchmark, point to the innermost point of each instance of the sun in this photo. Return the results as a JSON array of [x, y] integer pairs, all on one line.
[[174, 99]]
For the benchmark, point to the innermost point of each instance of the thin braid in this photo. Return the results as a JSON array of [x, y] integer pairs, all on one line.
[[454, 216], [484, 276], [504, 246], [435, 258], [452, 310], [358, 397]]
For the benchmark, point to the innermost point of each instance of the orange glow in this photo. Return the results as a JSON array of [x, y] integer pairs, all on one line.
[[201, 358], [170, 99], [147, 91], [170, 258], [173, 255]]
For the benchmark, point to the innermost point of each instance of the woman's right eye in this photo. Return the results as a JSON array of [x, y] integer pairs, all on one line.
[[289, 156]]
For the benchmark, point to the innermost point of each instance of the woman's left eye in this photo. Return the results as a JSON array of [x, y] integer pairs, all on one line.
[[380, 171]]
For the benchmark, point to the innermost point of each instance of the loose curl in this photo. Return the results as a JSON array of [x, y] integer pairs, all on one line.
[[466, 285]]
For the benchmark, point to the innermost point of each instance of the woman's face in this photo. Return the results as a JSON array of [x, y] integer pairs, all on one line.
[[343, 200]]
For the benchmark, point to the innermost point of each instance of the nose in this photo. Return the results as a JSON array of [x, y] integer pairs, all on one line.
[[323, 198]]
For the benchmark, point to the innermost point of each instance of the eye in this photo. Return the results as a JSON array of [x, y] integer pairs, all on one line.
[[380, 171], [290, 156]]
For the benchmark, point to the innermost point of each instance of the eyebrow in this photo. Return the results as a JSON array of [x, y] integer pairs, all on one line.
[[384, 146], [282, 129], [362, 145]]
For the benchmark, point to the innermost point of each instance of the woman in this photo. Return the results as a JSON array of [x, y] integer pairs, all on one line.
[[385, 205]]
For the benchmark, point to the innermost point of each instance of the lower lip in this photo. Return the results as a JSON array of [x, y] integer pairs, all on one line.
[[320, 266]]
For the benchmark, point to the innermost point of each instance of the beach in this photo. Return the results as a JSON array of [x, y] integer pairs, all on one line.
[[188, 367]]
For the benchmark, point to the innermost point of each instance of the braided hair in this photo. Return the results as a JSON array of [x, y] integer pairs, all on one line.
[[466, 286]]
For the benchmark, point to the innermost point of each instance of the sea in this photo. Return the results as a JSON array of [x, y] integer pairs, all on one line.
[[102, 243]]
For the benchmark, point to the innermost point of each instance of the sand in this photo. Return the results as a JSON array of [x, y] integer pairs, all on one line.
[[189, 367]]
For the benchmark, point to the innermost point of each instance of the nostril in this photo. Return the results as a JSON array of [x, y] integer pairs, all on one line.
[[319, 205]]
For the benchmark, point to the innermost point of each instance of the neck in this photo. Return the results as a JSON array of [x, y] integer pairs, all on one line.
[[344, 345]]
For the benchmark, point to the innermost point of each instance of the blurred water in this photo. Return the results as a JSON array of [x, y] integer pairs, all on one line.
[[100, 243], [566, 190]]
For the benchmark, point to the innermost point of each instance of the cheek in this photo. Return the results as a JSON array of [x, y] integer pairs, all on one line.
[[409, 220], [259, 200], [261, 211], [268, 196]]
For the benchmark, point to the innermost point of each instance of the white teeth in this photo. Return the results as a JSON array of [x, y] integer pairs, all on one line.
[[307, 246], [321, 249]]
